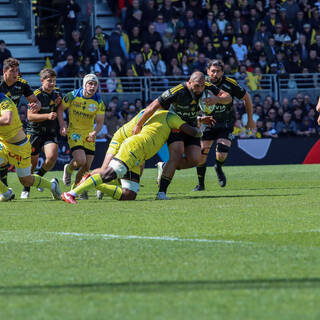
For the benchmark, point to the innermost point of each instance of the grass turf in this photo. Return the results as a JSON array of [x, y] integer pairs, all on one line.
[[246, 251]]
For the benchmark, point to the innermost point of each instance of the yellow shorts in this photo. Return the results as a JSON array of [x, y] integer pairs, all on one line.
[[19, 156], [115, 143], [132, 153], [79, 140]]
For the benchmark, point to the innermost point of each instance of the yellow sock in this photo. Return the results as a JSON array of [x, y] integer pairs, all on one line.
[[41, 182], [3, 187], [68, 169], [92, 181], [112, 191]]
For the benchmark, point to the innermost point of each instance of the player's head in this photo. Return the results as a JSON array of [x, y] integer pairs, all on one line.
[[196, 83], [215, 70], [48, 79], [11, 70], [90, 84]]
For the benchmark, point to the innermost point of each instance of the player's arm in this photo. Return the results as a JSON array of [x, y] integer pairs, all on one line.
[[34, 104], [222, 97], [248, 105], [98, 127], [191, 131], [65, 103], [318, 105], [6, 118], [149, 111], [36, 117]]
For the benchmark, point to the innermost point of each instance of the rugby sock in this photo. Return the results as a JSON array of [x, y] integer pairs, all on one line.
[[164, 184], [40, 182], [219, 163], [201, 171], [112, 191], [41, 172], [4, 174], [3, 187], [26, 189], [93, 181]]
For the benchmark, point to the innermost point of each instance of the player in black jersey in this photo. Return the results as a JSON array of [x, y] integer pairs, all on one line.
[[184, 101], [43, 127], [224, 116], [13, 86]]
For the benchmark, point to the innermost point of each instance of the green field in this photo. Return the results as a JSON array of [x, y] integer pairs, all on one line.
[[247, 251]]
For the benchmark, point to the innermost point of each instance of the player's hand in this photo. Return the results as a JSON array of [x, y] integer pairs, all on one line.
[[251, 125], [92, 136], [210, 101], [52, 116], [63, 131], [208, 120], [318, 120], [34, 107], [136, 129], [318, 107]]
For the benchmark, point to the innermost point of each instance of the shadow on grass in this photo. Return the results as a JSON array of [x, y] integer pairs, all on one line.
[[162, 286]]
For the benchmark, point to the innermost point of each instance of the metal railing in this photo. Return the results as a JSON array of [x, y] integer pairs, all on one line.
[[25, 13]]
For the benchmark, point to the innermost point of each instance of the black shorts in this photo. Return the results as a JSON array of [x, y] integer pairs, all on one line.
[[86, 151], [215, 133], [180, 136], [38, 141]]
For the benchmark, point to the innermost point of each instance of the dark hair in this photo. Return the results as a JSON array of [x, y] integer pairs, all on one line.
[[9, 63], [215, 63], [47, 73]]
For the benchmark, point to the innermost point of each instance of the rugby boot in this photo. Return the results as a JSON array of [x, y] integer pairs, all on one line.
[[198, 187], [162, 196], [7, 196], [69, 198], [55, 189], [66, 179]]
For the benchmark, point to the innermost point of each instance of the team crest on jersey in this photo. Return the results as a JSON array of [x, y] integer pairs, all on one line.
[[75, 137], [92, 107]]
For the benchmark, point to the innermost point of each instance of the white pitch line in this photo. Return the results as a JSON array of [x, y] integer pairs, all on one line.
[[135, 237]]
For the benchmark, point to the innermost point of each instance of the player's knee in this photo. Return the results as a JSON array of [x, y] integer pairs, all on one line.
[[80, 162], [118, 167], [128, 195], [26, 181], [222, 148]]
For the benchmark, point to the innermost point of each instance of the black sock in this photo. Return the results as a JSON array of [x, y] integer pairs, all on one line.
[[4, 174], [201, 171], [41, 172], [26, 189], [164, 184], [219, 163]]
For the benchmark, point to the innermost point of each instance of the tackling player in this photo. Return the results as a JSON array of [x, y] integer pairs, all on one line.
[[184, 101], [42, 126], [224, 115], [14, 87], [133, 151], [85, 106], [15, 149]]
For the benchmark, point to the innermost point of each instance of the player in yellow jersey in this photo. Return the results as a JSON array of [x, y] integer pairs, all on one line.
[[133, 151], [15, 149], [85, 107], [119, 136]]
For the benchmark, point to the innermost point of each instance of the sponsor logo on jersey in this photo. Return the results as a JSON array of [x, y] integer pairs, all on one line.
[[92, 107]]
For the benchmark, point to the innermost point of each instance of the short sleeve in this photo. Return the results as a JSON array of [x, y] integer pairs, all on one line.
[[27, 91], [66, 101], [101, 108]]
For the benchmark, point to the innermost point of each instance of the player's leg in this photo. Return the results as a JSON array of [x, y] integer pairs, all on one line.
[[78, 160], [202, 166], [222, 149], [4, 174], [51, 152], [6, 194], [176, 150], [82, 171]]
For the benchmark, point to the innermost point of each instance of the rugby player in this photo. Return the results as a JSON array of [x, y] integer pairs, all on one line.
[[85, 106], [14, 87], [184, 151], [42, 126], [133, 151], [224, 115], [15, 149]]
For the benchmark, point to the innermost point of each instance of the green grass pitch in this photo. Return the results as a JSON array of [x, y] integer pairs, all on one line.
[[250, 250]]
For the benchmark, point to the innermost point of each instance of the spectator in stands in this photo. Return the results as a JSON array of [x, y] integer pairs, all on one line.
[[316, 45], [155, 65], [292, 33], [132, 8], [269, 130], [71, 69], [271, 50], [291, 8], [246, 35], [119, 67], [225, 51], [101, 37], [236, 21], [185, 66], [71, 11], [115, 46], [95, 51], [146, 52], [209, 51], [113, 84], [160, 24], [254, 79], [137, 65], [130, 82], [151, 36], [167, 38], [240, 50], [191, 52], [135, 41], [77, 46], [271, 19], [308, 32], [173, 51], [149, 12], [279, 35], [201, 63], [60, 54], [102, 68], [86, 66], [134, 20], [4, 54], [208, 21], [306, 127], [111, 120], [299, 21], [312, 62], [286, 127], [167, 10]]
